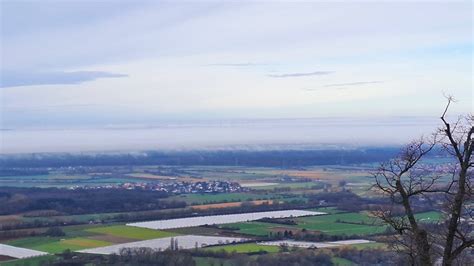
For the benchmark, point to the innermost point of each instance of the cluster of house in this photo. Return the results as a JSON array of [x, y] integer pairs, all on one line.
[[178, 187]]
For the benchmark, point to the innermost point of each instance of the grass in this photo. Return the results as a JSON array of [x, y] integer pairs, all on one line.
[[429, 217], [131, 232], [57, 245], [252, 228], [245, 248], [332, 224], [369, 246], [30, 242], [328, 210], [341, 223], [60, 180], [76, 237], [295, 185], [72, 244]]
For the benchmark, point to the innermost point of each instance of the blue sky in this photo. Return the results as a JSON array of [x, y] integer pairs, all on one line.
[[79, 63]]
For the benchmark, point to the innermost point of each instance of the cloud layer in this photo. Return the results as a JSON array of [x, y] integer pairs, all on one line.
[[22, 78], [199, 60]]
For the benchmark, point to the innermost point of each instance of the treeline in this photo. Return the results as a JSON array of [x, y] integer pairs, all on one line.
[[270, 158], [174, 210], [294, 257], [148, 256], [22, 172], [277, 221], [371, 256], [343, 200], [305, 235], [82, 201], [348, 201]]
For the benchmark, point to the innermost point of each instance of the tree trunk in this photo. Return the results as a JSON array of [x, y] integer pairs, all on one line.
[[455, 215], [421, 236], [423, 248]]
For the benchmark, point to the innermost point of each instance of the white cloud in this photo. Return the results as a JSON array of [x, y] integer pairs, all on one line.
[[187, 60]]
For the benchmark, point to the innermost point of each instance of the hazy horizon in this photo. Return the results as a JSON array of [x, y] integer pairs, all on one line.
[[223, 134], [82, 66]]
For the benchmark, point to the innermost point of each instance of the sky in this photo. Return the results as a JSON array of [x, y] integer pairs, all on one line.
[[95, 64]]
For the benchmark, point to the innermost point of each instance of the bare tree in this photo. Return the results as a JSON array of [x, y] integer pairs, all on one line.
[[459, 143], [406, 181]]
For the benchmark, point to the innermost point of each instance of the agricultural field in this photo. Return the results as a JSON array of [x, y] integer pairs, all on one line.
[[56, 244], [341, 224], [184, 242], [77, 218], [253, 228], [83, 237], [7, 251], [429, 217], [64, 180], [103, 232], [292, 185], [235, 173], [335, 223], [221, 219], [358, 178], [135, 233], [373, 245], [306, 244], [331, 224]]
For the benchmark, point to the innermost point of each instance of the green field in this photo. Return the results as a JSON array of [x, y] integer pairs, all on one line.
[[294, 185], [236, 173], [335, 223], [332, 224], [82, 237], [252, 228], [83, 218], [62, 180], [328, 210], [370, 246], [341, 223], [131, 232], [245, 248], [428, 217], [71, 244], [31, 242], [57, 245]]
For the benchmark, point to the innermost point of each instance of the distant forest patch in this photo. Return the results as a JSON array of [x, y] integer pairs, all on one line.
[[268, 158]]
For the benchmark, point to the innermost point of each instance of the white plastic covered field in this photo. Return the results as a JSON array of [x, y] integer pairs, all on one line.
[[184, 242], [306, 244], [19, 253], [222, 219]]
